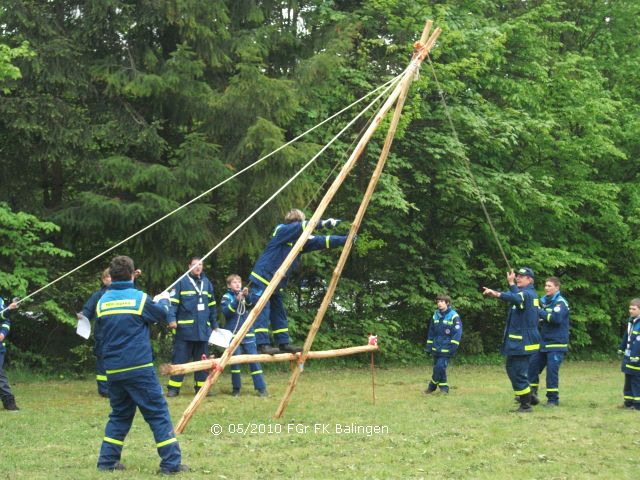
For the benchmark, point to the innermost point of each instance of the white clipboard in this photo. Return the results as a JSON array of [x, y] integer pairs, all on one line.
[[84, 326]]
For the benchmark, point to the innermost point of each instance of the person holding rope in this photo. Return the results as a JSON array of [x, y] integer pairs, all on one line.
[[234, 308], [89, 312], [126, 314], [8, 400], [554, 318], [282, 239], [193, 308], [521, 336]]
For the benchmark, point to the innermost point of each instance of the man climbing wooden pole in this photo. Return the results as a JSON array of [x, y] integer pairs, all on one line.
[[422, 48]]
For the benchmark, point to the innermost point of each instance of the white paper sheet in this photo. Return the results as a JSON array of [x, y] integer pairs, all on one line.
[[84, 326], [221, 337]]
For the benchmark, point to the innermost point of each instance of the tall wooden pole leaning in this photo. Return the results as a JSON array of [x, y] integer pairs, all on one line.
[[420, 53], [295, 250]]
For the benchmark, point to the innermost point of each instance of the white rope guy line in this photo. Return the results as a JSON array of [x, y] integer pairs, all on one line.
[[288, 182], [164, 217]]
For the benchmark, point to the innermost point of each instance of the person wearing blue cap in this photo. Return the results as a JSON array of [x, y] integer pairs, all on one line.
[[521, 336]]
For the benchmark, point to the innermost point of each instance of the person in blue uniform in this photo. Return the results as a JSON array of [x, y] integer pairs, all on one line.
[[554, 319], [234, 308], [126, 314], [630, 348], [282, 239], [8, 399], [443, 340], [193, 308], [89, 311], [521, 336]]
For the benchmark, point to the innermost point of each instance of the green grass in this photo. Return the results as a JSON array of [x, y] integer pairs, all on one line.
[[470, 433]]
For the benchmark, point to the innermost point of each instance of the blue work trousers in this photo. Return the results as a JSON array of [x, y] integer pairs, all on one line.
[[144, 392], [5, 389], [632, 391], [188, 351], [257, 375], [551, 361], [273, 313], [439, 376], [517, 370]]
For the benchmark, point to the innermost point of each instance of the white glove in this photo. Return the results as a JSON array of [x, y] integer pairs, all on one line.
[[331, 222], [161, 296]]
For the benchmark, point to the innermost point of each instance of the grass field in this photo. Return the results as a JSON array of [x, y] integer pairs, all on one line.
[[468, 434]]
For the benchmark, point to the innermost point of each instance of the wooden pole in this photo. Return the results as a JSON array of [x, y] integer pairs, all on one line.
[[168, 369], [295, 250], [418, 56]]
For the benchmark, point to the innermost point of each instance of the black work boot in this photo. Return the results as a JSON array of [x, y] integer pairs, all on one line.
[[287, 348], [9, 403], [116, 467], [209, 393], [534, 396], [268, 349], [181, 468], [525, 403]]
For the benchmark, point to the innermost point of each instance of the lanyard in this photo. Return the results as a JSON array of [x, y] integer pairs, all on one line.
[[199, 292]]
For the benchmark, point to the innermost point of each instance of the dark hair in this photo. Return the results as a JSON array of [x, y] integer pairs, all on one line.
[[194, 257], [445, 298], [121, 268], [554, 280]]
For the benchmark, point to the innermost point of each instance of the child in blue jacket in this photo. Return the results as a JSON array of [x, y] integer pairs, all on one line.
[[630, 348], [234, 309], [443, 340]]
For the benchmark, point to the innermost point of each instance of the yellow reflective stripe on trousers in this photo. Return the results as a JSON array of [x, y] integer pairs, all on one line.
[[173, 383], [429, 341], [552, 390], [236, 371], [113, 440], [556, 345], [166, 442], [263, 280], [534, 346], [199, 384], [256, 372], [111, 372], [523, 391], [517, 337], [101, 378], [261, 330], [533, 384], [185, 322], [280, 330]]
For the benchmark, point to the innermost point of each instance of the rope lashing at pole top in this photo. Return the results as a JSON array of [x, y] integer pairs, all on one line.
[[383, 87], [420, 52]]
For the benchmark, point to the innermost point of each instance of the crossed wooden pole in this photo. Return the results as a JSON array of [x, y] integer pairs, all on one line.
[[398, 96]]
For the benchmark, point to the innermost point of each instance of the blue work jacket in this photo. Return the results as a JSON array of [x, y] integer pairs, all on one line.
[[554, 313], [5, 325], [234, 321], [630, 347], [445, 332], [125, 314], [521, 336], [282, 239], [89, 311], [193, 308]]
